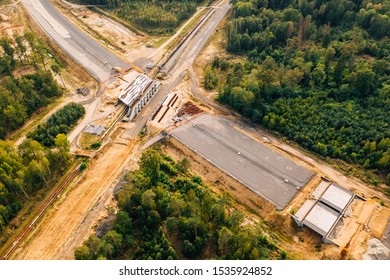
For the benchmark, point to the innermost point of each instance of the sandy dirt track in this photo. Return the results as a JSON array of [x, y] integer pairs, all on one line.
[[51, 239], [216, 48]]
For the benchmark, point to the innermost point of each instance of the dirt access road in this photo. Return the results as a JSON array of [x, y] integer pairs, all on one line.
[[205, 97], [72, 218], [53, 239]]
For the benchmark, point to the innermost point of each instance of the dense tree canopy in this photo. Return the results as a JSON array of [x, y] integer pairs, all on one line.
[[22, 95], [26, 86], [314, 71], [25, 170], [175, 217], [59, 123]]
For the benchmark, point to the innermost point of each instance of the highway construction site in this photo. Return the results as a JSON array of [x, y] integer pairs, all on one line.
[[269, 179]]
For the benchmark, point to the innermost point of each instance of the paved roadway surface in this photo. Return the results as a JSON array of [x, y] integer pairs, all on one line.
[[82, 48], [263, 170], [183, 59], [175, 56]]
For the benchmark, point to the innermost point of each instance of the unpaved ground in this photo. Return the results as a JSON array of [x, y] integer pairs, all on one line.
[[356, 233], [216, 46], [120, 39], [363, 220], [54, 237], [163, 119], [299, 243], [113, 35], [108, 28], [14, 21], [9, 21], [378, 221], [302, 196]]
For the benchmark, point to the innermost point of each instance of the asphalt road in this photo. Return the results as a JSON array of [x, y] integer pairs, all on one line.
[[179, 52], [261, 169], [182, 60], [82, 48]]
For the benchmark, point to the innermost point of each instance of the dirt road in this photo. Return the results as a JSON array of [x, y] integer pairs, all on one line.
[[214, 48], [71, 219], [53, 238]]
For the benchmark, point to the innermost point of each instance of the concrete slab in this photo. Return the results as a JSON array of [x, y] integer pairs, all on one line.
[[337, 197], [261, 169], [319, 191], [321, 219], [304, 210]]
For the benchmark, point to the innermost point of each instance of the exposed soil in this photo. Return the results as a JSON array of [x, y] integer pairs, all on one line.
[[23, 71], [368, 220], [183, 94], [113, 35], [118, 38], [279, 226], [73, 217], [9, 21], [84, 204], [15, 20], [354, 230]]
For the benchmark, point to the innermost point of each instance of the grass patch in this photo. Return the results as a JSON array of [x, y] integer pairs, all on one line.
[[95, 145], [83, 165], [114, 17], [89, 141], [157, 41]]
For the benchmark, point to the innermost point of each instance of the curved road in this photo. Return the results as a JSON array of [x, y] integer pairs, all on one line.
[[182, 60], [90, 54], [67, 225]]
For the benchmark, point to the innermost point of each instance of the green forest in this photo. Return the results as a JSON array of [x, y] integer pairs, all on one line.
[[316, 72], [22, 95], [60, 122], [27, 169], [167, 212], [150, 15], [26, 86]]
